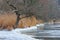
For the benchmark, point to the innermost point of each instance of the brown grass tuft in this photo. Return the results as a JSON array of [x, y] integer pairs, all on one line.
[[8, 20]]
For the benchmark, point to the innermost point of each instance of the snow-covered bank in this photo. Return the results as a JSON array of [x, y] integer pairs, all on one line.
[[16, 34], [31, 29], [11, 35]]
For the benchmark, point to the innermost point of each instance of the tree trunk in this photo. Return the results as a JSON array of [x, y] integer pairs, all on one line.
[[18, 18]]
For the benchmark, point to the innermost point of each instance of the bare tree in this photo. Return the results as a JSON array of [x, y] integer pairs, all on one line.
[[17, 13]]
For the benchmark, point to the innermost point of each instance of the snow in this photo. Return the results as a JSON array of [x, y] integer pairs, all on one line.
[[31, 29], [40, 24], [51, 32], [12, 35], [55, 32], [16, 34]]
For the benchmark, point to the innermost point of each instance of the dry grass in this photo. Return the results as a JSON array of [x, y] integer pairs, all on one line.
[[27, 22], [8, 20]]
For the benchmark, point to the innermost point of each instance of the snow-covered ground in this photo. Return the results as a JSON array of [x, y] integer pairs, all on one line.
[[31, 29], [12, 35], [24, 30], [16, 34]]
